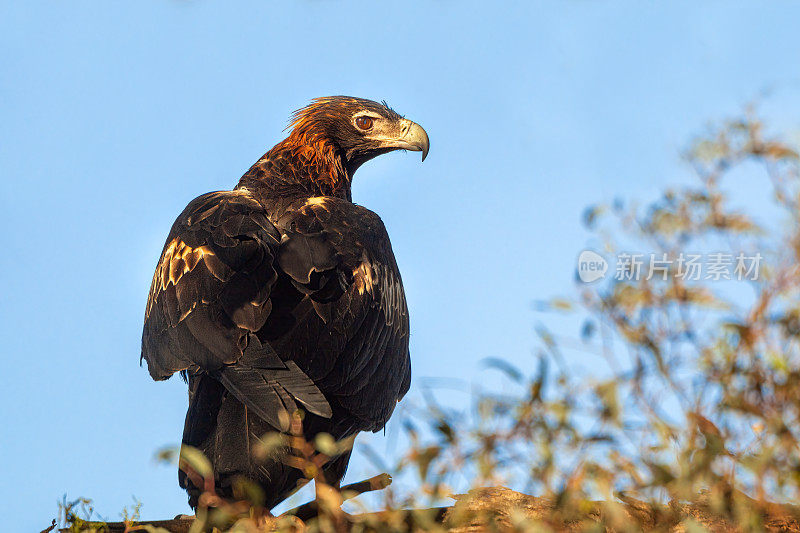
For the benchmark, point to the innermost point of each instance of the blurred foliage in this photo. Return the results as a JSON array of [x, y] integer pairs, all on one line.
[[694, 393], [696, 387]]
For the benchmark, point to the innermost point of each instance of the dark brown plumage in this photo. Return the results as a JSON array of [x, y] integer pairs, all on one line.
[[283, 294]]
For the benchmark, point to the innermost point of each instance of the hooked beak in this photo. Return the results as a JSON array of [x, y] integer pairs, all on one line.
[[412, 137]]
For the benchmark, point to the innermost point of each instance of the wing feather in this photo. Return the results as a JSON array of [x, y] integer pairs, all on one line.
[[210, 293], [307, 311]]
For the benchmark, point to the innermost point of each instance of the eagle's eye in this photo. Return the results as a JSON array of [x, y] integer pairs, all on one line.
[[364, 122]]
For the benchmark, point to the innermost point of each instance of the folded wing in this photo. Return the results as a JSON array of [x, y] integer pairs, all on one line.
[[210, 293]]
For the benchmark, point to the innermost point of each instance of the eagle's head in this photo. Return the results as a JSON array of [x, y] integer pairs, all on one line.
[[329, 139], [360, 128]]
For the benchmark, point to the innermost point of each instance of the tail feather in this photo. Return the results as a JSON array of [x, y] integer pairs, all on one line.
[[205, 399], [226, 430]]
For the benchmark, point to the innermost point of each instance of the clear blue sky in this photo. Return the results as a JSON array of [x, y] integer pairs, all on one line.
[[113, 115]]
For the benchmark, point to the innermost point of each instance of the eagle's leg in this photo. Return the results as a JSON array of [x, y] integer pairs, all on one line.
[[334, 471]]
